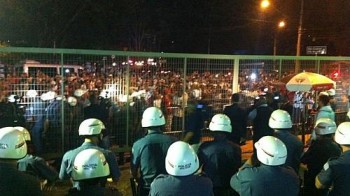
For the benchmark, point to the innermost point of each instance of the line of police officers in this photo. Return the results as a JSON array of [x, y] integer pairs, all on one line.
[[161, 165]]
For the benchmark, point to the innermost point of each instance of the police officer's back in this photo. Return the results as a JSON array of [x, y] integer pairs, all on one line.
[[148, 153], [336, 172], [89, 166], [35, 165], [220, 158], [238, 119], [271, 177], [281, 122], [196, 114], [320, 150], [181, 164], [259, 115], [12, 181], [90, 130]]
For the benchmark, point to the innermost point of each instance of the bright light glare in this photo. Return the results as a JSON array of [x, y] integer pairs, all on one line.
[[281, 24], [264, 4], [253, 76]]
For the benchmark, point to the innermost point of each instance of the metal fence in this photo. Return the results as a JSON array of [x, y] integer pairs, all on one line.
[[55, 89]]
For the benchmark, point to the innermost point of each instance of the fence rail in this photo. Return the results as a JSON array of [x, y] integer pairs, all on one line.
[[122, 84]]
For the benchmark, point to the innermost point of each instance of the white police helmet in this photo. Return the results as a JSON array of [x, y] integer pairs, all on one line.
[[12, 143], [152, 116], [324, 126], [72, 101], [280, 119], [25, 133], [342, 134], [331, 92], [80, 92], [271, 151], [181, 160], [220, 122], [105, 94], [88, 164], [91, 126], [12, 98]]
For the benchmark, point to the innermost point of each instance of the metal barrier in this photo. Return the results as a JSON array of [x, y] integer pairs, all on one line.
[[125, 83]]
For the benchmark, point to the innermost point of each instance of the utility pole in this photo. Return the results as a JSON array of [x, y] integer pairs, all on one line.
[[300, 32]]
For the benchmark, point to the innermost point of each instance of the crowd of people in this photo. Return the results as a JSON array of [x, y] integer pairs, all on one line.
[[39, 100], [162, 164]]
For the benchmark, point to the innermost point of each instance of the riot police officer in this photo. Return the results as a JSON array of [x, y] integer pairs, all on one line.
[[14, 182], [271, 177], [35, 165], [336, 172], [181, 164], [148, 153], [281, 122], [323, 148], [90, 129], [90, 166], [220, 158]]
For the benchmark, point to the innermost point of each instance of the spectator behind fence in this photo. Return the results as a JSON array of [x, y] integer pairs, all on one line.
[[335, 174], [220, 158], [148, 153], [90, 131], [12, 181], [181, 164], [271, 177]]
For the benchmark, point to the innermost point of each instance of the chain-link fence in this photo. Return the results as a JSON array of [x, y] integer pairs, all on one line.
[[52, 90]]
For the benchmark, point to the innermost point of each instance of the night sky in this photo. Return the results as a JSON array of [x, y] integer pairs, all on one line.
[[186, 26]]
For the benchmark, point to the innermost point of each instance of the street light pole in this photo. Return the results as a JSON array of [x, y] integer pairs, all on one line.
[[281, 25], [300, 31]]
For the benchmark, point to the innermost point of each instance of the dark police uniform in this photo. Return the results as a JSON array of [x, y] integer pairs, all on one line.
[[53, 121], [221, 159], [266, 180], [148, 155], [336, 173], [195, 116], [190, 185], [315, 157], [14, 182], [294, 148], [260, 117], [37, 166], [68, 160], [238, 119]]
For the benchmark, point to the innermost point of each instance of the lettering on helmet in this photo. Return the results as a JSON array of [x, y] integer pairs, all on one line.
[[183, 167], [19, 145], [90, 166], [3, 146]]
